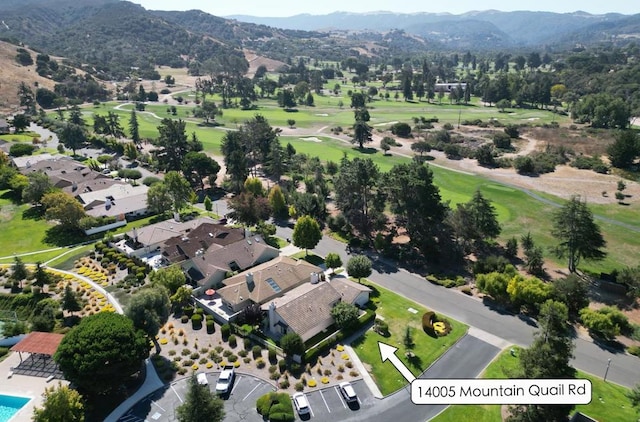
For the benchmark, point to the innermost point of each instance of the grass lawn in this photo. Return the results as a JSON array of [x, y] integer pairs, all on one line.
[[609, 401], [396, 312], [20, 231], [311, 258], [517, 211]]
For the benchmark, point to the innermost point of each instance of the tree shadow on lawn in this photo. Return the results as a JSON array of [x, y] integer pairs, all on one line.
[[368, 150], [63, 236], [414, 360], [33, 213], [11, 196]]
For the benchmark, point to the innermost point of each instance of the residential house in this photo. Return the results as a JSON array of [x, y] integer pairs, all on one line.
[[209, 267], [449, 86], [197, 241], [266, 282], [306, 309], [62, 171], [25, 162], [122, 200], [151, 238]]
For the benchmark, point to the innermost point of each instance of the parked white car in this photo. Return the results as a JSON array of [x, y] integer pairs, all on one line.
[[301, 403], [202, 379], [225, 380], [348, 392]]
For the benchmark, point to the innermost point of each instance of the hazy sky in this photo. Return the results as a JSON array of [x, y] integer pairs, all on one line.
[[293, 7]]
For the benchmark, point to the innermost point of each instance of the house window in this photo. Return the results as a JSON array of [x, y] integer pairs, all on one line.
[[233, 265]]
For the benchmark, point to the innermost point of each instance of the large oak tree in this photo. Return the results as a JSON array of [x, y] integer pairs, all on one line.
[[102, 352]]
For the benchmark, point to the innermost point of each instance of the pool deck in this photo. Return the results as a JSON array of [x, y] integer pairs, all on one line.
[[23, 386]]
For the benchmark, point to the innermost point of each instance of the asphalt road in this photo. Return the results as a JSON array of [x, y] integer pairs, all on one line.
[[465, 360], [588, 356]]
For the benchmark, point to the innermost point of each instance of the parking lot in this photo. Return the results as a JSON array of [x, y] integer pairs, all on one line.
[[328, 404], [240, 405]]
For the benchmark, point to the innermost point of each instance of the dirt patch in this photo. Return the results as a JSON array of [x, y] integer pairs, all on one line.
[[255, 61], [13, 73]]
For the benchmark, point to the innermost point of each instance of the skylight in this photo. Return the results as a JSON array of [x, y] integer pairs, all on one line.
[[274, 285]]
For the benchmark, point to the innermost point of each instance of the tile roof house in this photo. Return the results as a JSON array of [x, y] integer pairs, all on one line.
[[209, 267], [266, 282], [63, 172], [151, 238], [306, 310], [198, 240], [121, 199]]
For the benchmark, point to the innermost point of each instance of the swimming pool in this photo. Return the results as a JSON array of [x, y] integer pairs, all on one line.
[[9, 406]]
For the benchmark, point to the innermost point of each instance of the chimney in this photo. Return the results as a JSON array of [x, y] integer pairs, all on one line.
[[314, 278], [249, 279], [272, 317]]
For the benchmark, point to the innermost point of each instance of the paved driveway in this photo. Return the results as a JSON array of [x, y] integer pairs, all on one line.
[[328, 404], [240, 405]]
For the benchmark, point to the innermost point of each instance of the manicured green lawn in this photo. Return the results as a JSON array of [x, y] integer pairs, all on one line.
[[398, 312], [609, 401], [517, 211], [311, 258], [19, 231]]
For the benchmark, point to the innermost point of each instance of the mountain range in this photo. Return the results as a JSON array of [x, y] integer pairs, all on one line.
[[109, 37], [508, 29]]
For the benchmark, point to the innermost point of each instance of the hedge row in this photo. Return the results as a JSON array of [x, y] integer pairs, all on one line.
[[311, 354]]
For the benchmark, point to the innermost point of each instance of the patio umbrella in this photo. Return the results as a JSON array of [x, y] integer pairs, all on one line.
[[210, 292]]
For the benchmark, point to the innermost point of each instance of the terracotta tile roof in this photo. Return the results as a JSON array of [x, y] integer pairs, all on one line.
[[37, 342]]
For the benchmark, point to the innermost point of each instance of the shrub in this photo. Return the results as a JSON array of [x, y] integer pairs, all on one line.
[[225, 331], [502, 140], [256, 351], [284, 384], [381, 327], [634, 350], [232, 358], [427, 321], [196, 321], [282, 365], [21, 149], [211, 327], [492, 263], [272, 355], [524, 165], [184, 319], [401, 129], [260, 363], [299, 386], [233, 341]]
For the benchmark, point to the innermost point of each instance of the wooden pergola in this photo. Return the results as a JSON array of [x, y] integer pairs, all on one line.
[[38, 343]]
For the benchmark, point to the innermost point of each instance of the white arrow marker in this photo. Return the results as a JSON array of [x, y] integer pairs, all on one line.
[[389, 353]]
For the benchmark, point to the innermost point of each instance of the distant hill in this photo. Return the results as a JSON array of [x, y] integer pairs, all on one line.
[[109, 38], [13, 73], [509, 29]]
